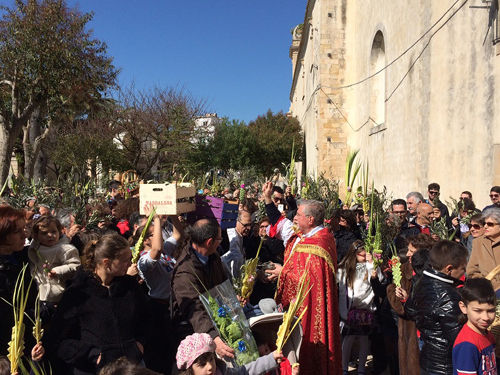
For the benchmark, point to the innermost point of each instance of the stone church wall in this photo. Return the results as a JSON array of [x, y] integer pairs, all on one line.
[[431, 116]]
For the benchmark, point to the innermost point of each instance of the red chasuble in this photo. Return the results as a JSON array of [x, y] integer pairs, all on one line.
[[321, 350]]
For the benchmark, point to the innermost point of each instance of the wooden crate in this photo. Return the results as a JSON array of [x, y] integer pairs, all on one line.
[[208, 207], [169, 199]]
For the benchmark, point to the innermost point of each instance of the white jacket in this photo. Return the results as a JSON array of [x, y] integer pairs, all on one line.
[[62, 258], [361, 295]]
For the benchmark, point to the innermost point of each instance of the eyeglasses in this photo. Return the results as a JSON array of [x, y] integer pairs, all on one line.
[[490, 224], [277, 200], [433, 192], [263, 226], [494, 195], [249, 225], [476, 226]]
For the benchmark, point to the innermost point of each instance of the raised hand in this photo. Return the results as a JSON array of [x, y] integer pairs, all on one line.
[[267, 192]]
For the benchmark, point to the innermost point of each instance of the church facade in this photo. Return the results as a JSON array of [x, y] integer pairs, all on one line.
[[414, 85]]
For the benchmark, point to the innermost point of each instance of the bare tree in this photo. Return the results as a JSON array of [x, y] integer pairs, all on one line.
[[155, 127]]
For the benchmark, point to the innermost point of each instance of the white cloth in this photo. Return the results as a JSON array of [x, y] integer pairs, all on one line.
[[157, 273], [285, 231], [234, 258]]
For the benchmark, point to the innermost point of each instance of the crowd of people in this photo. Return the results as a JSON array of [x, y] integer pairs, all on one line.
[[428, 309]]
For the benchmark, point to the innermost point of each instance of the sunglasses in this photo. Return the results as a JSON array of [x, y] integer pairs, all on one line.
[[433, 192], [475, 226], [494, 195], [490, 224], [358, 246]]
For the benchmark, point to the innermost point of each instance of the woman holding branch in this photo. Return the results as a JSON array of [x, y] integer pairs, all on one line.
[[13, 256]]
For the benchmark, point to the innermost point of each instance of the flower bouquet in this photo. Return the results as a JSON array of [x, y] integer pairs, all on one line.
[[377, 245], [395, 265], [244, 284], [227, 315], [243, 193]]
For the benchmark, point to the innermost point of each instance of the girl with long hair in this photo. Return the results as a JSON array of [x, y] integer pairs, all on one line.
[[356, 302], [104, 314]]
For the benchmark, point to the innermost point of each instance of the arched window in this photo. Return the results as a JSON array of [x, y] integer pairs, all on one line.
[[377, 83]]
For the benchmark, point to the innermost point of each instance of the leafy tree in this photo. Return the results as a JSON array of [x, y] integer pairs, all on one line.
[[231, 146], [48, 62], [275, 134]]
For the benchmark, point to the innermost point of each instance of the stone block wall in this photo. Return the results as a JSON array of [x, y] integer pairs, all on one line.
[[441, 102]]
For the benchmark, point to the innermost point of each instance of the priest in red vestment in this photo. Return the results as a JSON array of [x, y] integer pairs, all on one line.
[[321, 351]]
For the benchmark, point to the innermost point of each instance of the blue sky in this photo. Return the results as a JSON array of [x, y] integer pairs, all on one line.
[[232, 53]]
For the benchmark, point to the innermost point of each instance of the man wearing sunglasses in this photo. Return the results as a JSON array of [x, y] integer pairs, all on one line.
[[495, 197], [433, 190], [233, 256], [484, 257]]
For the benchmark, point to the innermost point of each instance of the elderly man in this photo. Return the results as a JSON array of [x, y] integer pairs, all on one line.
[[67, 220], [234, 255], [413, 199], [200, 267], [425, 215], [312, 246]]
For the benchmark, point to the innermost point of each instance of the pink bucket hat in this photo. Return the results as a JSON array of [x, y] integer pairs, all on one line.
[[192, 347]]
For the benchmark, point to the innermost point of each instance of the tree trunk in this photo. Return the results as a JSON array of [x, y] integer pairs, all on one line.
[[7, 141], [35, 158], [31, 131], [93, 169], [40, 166]]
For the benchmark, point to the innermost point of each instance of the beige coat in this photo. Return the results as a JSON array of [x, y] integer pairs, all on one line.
[[61, 258], [409, 353], [484, 258]]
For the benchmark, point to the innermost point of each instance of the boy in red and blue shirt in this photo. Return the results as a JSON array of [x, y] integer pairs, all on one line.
[[474, 349]]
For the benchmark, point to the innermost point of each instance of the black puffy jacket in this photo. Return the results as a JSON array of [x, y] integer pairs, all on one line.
[[433, 305]]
